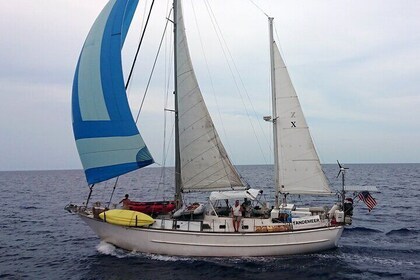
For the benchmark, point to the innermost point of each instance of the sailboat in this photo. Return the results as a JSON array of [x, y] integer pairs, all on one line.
[[110, 145]]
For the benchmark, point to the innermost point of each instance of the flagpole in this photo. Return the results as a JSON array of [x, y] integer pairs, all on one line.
[[343, 192]]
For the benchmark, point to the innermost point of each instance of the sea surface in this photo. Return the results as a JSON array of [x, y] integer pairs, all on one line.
[[40, 240]]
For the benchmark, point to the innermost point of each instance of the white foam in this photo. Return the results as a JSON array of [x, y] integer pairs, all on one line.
[[109, 249], [167, 258], [106, 248]]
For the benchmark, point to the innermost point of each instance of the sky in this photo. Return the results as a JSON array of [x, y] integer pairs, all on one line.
[[355, 66]]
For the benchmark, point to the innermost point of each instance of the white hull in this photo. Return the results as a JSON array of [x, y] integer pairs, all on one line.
[[215, 244]]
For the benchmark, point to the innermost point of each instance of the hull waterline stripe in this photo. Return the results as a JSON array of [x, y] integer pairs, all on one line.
[[239, 245]]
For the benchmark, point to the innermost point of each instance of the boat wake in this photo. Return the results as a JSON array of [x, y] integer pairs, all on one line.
[[107, 249], [165, 258]]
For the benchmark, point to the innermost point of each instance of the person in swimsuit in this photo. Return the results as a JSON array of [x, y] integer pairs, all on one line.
[[125, 201]]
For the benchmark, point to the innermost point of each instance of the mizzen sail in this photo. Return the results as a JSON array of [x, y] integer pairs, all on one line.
[[205, 164], [299, 167], [107, 138]]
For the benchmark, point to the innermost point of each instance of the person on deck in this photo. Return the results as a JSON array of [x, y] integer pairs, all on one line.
[[125, 201], [246, 208], [236, 215]]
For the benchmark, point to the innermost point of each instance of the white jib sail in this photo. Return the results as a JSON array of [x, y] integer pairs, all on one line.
[[300, 171], [204, 162]]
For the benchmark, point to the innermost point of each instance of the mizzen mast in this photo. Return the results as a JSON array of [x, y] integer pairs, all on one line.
[[273, 117]]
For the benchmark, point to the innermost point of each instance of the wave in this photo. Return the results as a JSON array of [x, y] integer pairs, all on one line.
[[362, 229], [6, 276], [389, 249], [402, 231], [28, 207]]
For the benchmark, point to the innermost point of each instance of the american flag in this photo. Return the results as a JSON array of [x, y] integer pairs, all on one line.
[[367, 199]]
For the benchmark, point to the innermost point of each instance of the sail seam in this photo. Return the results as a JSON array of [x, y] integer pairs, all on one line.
[[195, 140], [214, 181], [197, 121], [193, 159], [191, 92], [192, 107]]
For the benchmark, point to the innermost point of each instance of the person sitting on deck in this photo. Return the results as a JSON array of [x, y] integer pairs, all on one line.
[[125, 201]]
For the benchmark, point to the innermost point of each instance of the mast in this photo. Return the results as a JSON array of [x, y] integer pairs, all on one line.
[[178, 199], [274, 113]]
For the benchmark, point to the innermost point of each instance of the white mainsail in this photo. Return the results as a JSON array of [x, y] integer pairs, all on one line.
[[204, 162], [299, 168]]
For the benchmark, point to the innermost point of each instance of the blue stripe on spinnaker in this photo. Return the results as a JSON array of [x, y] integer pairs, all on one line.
[[100, 174], [111, 70], [75, 109], [112, 24]]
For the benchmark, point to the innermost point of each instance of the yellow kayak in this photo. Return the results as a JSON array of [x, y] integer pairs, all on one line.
[[128, 218]]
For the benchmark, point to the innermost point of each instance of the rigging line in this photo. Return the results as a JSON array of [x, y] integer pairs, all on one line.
[[244, 87], [167, 73], [285, 63], [209, 73], [283, 57], [221, 38], [210, 12], [212, 87], [153, 69], [144, 15], [90, 194], [163, 167], [139, 45], [169, 145], [166, 147], [140, 33], [168, 11], [279, 46], [259, 8], [131, 73], [113, 190], [270, 144], [163, 173], [166, 152]]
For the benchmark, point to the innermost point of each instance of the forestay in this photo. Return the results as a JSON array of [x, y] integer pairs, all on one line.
[[107, 138], [204, 162], [300, 171]]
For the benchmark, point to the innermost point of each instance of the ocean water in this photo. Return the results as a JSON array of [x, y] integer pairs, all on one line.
[[40, 240]]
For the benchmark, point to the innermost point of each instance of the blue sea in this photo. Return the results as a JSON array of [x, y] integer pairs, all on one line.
[[40, 240]]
